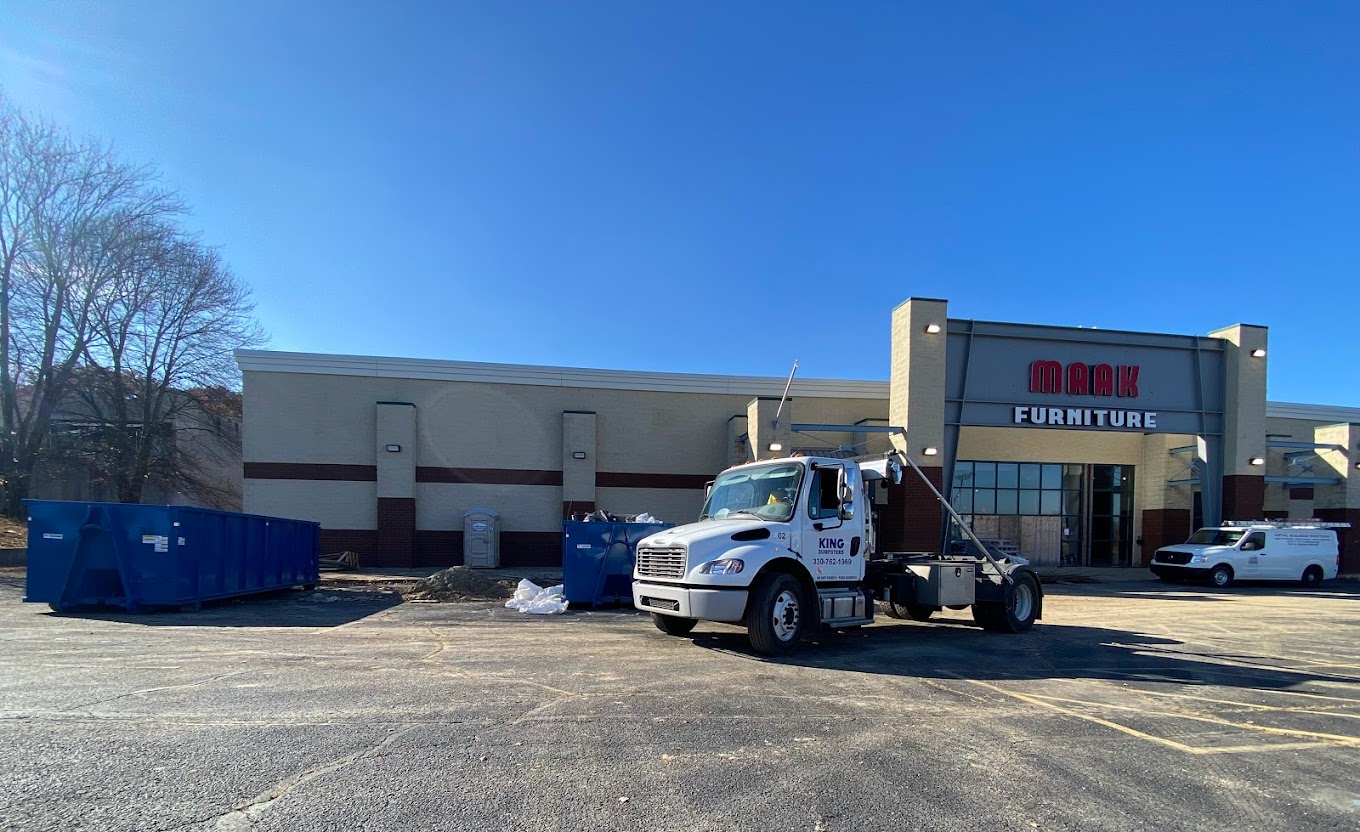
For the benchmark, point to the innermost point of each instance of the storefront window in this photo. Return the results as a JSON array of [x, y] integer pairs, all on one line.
[[1042, 507]]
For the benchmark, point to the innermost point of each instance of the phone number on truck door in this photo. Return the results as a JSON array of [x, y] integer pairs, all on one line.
[[832, 561]]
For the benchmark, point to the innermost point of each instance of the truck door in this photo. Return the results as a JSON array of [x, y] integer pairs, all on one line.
[[1255, 562], [840, 544]]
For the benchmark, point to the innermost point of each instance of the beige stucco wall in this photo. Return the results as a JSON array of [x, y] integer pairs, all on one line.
[[333, 504], [1042, 445], [314, 418]]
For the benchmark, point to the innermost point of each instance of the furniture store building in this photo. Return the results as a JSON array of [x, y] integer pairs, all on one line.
[[1083, 447]]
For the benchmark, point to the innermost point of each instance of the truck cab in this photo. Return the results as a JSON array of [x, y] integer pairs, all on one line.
[[787, 546]]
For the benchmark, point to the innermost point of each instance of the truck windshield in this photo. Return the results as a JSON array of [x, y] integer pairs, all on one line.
[[768, 492], [1216, 537]]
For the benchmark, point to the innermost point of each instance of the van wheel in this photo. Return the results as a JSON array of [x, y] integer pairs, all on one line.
[[1221, 576], [1312, 576], [673, 625], [777, 618]]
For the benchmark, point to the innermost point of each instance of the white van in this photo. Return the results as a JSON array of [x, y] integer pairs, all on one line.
[[1303, 552]]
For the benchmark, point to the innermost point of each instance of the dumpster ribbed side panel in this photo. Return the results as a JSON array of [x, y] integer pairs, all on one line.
[[134, 556], [597, 560]]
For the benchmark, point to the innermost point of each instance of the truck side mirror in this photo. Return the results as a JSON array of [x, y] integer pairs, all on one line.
[[846, 481], [708, 489]]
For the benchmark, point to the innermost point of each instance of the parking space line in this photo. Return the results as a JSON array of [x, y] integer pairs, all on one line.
[[1253, 705], [1042, 701], [1342, 739]]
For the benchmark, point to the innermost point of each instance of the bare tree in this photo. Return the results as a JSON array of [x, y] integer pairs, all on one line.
[[160, 355], [104, 301]]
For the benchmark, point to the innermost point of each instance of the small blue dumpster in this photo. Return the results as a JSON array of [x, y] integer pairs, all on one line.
[[136, 556], [597, 560]]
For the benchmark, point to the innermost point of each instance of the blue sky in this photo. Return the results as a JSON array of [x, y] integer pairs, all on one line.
[[724, 187]]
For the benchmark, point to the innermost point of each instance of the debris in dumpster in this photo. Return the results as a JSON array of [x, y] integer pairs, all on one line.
[[602, 516], [531, 598], [459, 583]]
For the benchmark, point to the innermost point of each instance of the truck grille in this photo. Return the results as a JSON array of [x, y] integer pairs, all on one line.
[[660, 563], [661, 603], [1172, 557]]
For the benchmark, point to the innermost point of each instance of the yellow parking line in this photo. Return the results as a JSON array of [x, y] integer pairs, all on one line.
[[1133, 732], [1280, 708], [1040, 701], [1341, 739]]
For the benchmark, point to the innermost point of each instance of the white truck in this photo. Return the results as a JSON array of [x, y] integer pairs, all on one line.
[[1254, 550], [787, 547]]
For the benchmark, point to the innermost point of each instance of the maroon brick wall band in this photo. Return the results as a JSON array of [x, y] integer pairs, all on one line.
[[479, 476], [438, 548], [363, 541], [310, 471], [1244, 496], [397, 529], [913, 519], [1349, 539], [488, 476], [571, 507], [1163, 527], [695, 482], [443, 548]]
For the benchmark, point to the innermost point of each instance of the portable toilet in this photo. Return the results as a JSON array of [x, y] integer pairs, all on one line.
[[481, 538]]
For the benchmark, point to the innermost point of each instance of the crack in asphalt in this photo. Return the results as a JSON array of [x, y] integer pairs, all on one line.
[[156, 689], [246, 815]]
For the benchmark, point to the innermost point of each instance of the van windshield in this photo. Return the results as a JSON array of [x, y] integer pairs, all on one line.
[[1216, 537], [768, 492]]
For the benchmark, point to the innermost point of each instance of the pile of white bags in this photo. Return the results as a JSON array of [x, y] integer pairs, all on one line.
[[531, 598]]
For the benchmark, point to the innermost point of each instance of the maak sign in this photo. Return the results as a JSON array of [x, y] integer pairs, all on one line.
[[1119, 381]]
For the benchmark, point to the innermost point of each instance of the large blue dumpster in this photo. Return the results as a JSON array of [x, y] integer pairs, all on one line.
[[597, 560], [135, 556]]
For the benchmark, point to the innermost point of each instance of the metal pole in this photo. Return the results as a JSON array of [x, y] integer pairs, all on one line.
[[1005, 576]]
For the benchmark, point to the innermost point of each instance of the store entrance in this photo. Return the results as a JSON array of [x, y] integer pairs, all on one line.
[[1111, 515]]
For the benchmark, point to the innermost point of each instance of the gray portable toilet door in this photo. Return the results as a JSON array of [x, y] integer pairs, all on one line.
[[481, 539]]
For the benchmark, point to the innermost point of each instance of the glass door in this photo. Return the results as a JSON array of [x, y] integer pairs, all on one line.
[[1111, 515]]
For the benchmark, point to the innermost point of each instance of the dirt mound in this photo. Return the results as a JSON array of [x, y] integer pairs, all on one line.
[[458, 583]]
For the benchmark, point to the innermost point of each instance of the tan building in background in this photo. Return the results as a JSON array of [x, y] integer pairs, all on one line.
[[388, 453]]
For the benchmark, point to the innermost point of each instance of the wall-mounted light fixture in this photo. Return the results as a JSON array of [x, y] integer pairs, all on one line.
[[1258, 353], [578, 454], [932, 329], [930, 451], [775, 446], [1256, 460], [394, 449]]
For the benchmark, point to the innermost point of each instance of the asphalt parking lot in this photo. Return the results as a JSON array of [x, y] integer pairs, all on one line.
[[1132, 706]]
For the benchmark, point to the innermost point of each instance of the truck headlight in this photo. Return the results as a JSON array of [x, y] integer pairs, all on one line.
[[1199, 558], [726, 566]]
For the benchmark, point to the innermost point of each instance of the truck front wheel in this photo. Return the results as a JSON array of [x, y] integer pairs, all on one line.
[[777, 616], [673, 625], [1017, 610]]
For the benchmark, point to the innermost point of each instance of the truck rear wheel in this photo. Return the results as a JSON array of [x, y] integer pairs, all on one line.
[[777, 616], [673, 625], [916, 612], [1016, 612]]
